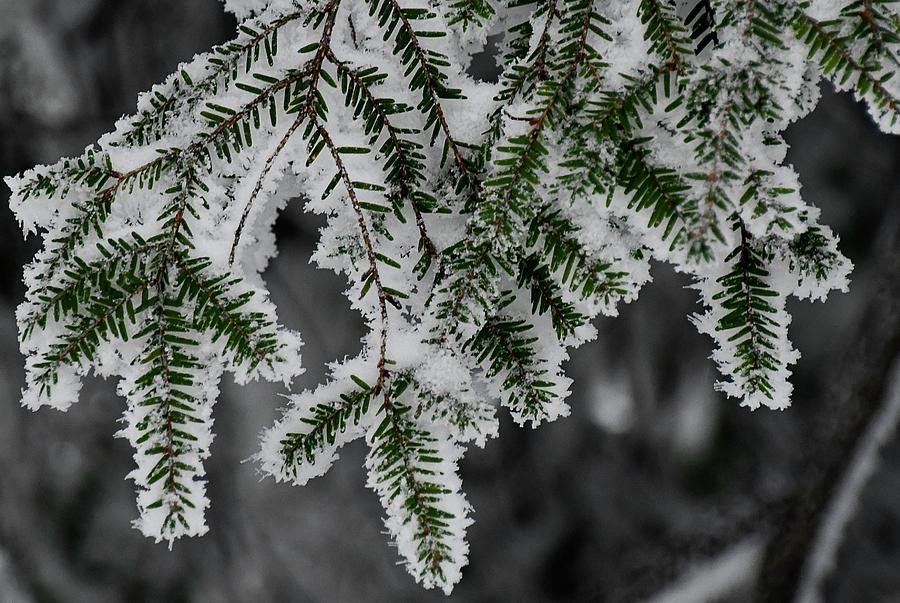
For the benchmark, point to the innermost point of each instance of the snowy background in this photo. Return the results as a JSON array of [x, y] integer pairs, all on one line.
[[655, 487]]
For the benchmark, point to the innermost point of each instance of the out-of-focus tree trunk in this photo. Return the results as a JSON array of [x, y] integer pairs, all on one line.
[[841, 422]]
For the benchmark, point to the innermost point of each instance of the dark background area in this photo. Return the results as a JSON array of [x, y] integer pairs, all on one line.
[[653, 474]]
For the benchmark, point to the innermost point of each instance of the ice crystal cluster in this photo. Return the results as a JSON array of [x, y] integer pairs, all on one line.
[[481, 226]]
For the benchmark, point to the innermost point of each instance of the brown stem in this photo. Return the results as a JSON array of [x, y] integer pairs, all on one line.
[[543, 43], [257, 189], [367, 243], [382, 386], [395, 141], [314, 69], [461, 162]]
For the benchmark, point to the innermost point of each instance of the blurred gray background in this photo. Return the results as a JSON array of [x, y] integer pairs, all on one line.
[[653, 477]]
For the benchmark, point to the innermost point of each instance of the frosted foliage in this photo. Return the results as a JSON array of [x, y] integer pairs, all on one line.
[[481, 226]]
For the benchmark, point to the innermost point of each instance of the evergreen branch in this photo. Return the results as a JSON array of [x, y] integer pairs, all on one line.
[[313, 70], [167, 413], [106, 317], [876, 28], [257, 188], [837, 62], [511, 193], [653, 187], [546, 296], [813, 254], [518, 174], [466, 415], [718, 148], [617, 113], [587, 167], [185, 94], [813, 259], [513, 184], [403, 166], [574, 51], [166, 387], [526, 63], [90, 169], [91, 217], [508, 199], [515, 79], [322, 425], [580, 273], [775, 203], [744, 319], [249, 336], [726, 105], [745, 291], [80, 281], [465, 279], [147, 173], [409, 472], [427, 76], [668, 37], [373, 273], [504, 344], [538, 56]]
